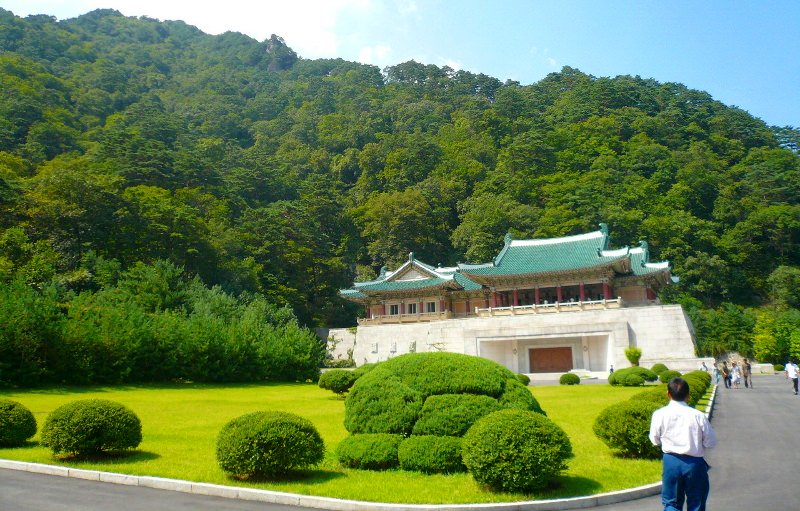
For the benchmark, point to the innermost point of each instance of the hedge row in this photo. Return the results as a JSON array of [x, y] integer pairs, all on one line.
[[632, 376]]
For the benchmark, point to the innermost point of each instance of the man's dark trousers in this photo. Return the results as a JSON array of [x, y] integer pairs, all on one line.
[[684, 476]]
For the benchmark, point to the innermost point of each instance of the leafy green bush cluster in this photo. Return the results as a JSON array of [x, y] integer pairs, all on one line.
[[622, 376], [266, 444], [778, 367], [633, 355], [338, 381], [523, 378], [666, 376], [569, 379], [91, 427], [411, 395], [431, 454], [17, 423], [153, 325], [659, 368], [698, 381], [625, 427], [515, 450], [370, 451], [657, 394]]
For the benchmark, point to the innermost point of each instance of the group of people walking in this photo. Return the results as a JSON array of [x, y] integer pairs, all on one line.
[[734, 375]]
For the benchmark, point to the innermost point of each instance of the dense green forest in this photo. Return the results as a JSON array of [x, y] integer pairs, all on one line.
[[129, 145]]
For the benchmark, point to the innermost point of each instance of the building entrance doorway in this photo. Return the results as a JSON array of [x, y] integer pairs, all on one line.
[[550, 360]]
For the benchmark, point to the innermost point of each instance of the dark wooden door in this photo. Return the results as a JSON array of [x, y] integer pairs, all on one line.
[[550, 360]]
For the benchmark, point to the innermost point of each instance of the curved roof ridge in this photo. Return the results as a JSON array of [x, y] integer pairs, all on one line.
[[615, 253], [555, 241]]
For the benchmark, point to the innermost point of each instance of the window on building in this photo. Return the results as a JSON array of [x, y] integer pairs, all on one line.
[[411, 308], [430, 307], [394, 309]]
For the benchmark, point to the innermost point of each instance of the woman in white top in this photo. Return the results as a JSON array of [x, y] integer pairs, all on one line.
[[736, 375]]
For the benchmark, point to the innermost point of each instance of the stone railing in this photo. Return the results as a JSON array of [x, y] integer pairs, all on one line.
[[545, 308], [405, 318]]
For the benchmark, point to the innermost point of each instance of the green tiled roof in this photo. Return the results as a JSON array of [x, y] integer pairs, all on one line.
[[525, 257], [405, 285]]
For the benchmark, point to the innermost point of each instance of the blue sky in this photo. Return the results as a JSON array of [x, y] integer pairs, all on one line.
[[744, 53]]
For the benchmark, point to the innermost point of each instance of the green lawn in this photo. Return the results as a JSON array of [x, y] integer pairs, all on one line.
[[180, 424]]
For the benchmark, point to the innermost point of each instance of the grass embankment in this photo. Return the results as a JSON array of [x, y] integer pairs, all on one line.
[[180, 424]]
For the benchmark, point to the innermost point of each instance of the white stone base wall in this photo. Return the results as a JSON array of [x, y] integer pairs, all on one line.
[[598, 338]]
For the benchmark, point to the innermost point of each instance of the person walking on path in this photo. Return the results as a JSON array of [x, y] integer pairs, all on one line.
[[703, 367], [683, 434], [726, 375], [736, 376], [747, 373], [791, 374], [716, 375]]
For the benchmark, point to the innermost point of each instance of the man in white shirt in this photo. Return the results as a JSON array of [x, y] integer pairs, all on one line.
[[683, 434], [791, 373]]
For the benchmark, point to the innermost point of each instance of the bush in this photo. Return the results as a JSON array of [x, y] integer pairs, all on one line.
[[523, 379], [633, 380], [633, 355], [625, 427], [778, 368], [619, 377], [515, 450], [449, 373], [380, 402], [702, 375], [569, 379], [697, 387], [519, 397], [91, 426], [17, 424], [453, 414], [364, 369], [266, 444], [370, 451], [656, 395], [659, 368], [666, 376], [431, 454], [338, 381]]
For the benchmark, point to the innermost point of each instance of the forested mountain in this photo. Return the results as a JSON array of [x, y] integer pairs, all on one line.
[[128, 141]]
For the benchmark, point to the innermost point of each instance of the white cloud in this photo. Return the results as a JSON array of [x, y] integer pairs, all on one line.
[[552, 62], [378, 55]]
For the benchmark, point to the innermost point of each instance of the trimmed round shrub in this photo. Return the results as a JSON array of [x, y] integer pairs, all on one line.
[[518, 396], [618, 377], [702, 375], [666, 376], [90, 427], [380, 402], [453, 414], [364, 369], [431, 454], [569, 379], [370, 451], [267, 444], [338, 381], [778, 367], [656, 395], [625, 427], [515, 450], [697, 387], [523, 378], [633, 380], [17, 423], [659, 368]]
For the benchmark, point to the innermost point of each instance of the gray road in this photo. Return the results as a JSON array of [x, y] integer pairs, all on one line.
[[755, 463], [753, 467]]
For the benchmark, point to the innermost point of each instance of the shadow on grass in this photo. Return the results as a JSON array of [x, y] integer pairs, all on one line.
[[568, 487], [112, 458], [310, 477]]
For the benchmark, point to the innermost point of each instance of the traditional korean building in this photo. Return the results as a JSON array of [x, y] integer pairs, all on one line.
[[541, 306]]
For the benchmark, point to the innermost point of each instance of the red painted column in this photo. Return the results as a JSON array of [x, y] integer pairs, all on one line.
[[469, 306], [537, 299], [558, 294], [383, 309], [606, 291], [441, 305], [494, 299], [582, 292], [516, 298], [651, 295], [402, 307]]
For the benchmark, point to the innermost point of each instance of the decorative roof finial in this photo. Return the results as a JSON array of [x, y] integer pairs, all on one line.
[[411, 257], [508, 238], [604, 228]]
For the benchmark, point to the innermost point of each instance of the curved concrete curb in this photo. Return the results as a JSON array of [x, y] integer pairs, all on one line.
[[292, 499]]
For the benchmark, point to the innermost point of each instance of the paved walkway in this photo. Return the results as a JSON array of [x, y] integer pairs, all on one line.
[[755, 466], [756, 462]]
